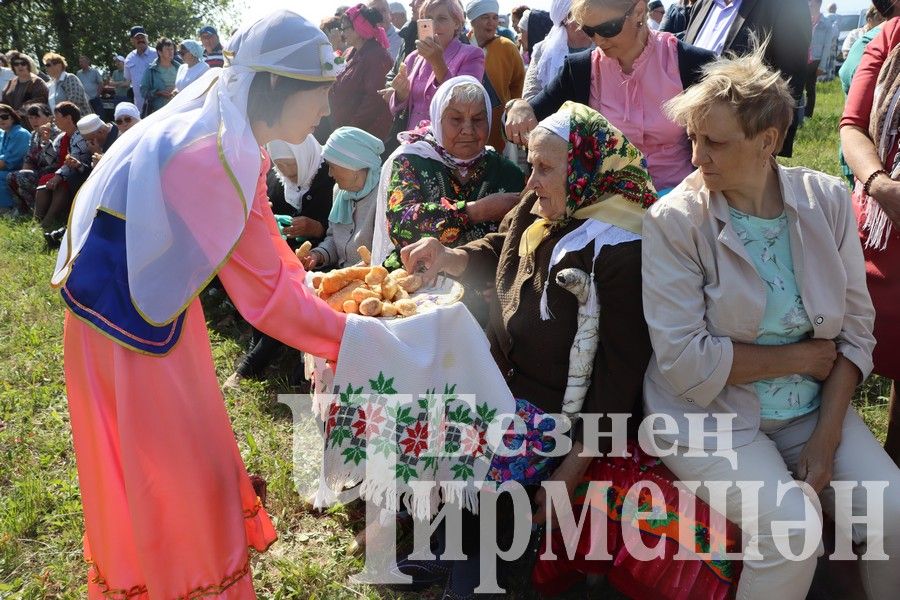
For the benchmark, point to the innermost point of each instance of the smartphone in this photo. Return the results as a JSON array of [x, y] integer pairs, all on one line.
[[426, 28]]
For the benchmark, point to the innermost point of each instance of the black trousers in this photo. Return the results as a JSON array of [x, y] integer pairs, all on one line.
[[812, 76]]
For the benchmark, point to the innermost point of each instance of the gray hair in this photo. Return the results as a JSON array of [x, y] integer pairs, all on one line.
[[758, 95], [467, 93]]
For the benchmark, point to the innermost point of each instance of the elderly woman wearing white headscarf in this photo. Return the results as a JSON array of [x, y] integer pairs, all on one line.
[[300, 189], [169, 510], [443, 181], [191, 52], [547, 56]]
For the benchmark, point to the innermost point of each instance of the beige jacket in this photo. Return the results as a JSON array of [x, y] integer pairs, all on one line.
[[701, 291]]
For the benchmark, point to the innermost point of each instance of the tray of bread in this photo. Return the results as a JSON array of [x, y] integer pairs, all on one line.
[[372, 291]]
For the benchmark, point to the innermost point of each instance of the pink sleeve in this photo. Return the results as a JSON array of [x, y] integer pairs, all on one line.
[[858, 107], [472, 63], [266, 283]]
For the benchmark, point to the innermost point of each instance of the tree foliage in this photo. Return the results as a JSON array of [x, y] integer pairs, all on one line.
[[99, 28]]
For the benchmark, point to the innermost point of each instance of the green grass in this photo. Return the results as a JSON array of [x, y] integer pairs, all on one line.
[[40, 512]]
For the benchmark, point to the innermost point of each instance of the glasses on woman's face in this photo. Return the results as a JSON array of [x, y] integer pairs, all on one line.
[[608, 29], [49, 64], [123, 121], [20, 63], [5, 117]]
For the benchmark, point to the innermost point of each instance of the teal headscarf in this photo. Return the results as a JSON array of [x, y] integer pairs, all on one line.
[[353, 148]]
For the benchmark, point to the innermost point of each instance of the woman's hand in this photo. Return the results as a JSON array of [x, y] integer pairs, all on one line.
[[887, 192], [72, 162], [817, 358], [570, 472], [53, 182], [304, 227], [428, 258], [399, 86], [431, 50], [492, 207], [44, 132], [311, 261], [816, 460], [520, 120]]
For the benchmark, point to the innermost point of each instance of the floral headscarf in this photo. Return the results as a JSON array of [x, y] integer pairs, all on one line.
[[607, 178]]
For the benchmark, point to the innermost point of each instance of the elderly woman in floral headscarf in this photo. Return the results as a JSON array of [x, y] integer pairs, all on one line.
[[582, 210]]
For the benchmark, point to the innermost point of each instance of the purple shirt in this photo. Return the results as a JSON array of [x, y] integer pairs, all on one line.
[[718, 23], [461, 59]]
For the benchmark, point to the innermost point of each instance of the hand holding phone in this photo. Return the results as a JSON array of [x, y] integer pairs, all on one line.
[[426, 28]]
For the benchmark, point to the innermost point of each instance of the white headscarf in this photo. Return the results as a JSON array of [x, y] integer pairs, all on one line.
[[176, 245], [381, 242], [308, 155], [556, 44]]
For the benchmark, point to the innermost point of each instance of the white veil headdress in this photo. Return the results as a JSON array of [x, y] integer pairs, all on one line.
[[556, 44], [175, 245]]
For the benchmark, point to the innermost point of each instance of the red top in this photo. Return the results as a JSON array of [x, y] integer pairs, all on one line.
[[355, 101], [858, 107]]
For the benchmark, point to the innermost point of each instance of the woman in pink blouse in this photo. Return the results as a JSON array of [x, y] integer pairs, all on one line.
[[628, 77], [435, 60]]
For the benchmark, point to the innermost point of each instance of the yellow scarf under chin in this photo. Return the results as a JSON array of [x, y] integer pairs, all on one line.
[[618, 211]]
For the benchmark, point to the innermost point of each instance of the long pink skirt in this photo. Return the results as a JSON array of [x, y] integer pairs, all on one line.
[[169, 510]]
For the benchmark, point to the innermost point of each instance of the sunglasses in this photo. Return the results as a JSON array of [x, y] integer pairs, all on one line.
[[608, 29], [47, 65], [123, 120], [20, 63]]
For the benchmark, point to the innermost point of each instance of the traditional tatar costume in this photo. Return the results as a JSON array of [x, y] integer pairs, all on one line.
[[169, 509]]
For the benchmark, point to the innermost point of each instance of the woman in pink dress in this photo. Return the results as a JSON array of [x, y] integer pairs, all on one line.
[[169, 509]]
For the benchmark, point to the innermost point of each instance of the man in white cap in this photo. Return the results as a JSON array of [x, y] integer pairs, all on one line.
[[398, 15], [137, 62], [126, 116], [99, 136]]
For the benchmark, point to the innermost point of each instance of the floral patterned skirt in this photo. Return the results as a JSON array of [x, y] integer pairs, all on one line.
[[660, 578]]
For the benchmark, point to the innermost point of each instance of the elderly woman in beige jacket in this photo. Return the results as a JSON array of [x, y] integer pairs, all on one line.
[[756, 301]]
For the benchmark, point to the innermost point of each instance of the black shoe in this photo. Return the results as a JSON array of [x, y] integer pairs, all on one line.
[[52, 243]]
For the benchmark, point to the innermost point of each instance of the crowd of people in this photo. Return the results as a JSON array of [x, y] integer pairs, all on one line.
[[634, 142], [57, 125]]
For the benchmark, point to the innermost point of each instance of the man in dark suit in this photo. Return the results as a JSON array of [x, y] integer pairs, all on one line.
[[729, 26]]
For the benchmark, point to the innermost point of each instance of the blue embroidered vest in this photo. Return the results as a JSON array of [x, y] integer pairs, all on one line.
[[97, 291]]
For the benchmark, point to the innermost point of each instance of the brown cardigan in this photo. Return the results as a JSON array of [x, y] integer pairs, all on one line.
[[35, 91], [534, 354]]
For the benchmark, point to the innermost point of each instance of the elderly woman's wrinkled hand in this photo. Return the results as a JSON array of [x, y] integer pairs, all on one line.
[[520, 121], [887, 192], [44, 132], [816, 461], [818, 357], [304, 227], [428, 258]]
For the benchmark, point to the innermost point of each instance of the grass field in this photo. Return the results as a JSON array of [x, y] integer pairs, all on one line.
[[40, 512]]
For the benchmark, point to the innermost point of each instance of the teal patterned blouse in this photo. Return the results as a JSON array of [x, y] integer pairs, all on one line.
[[785, 321]]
